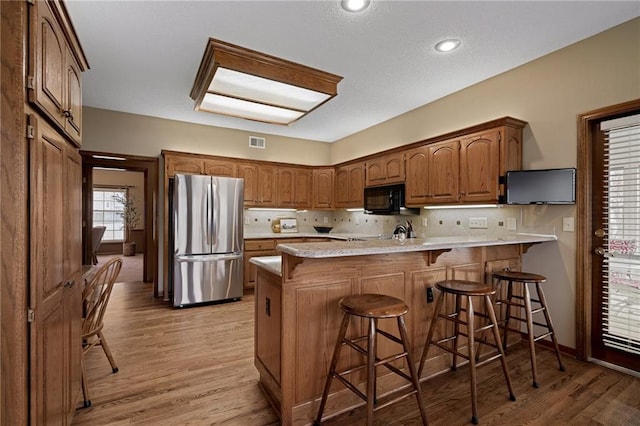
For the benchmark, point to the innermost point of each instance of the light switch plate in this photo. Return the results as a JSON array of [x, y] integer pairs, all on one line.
[[478, 223], [568, 224]]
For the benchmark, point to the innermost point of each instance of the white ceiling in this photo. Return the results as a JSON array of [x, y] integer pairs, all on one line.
[[144, 55]]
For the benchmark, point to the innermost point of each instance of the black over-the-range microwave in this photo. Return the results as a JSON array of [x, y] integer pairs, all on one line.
[[386, 200]]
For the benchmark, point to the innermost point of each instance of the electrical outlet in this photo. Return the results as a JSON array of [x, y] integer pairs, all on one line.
[[357, 220], [325, 219], [429, 294], [246, 221], [511, 224], [424, 221], [478, 223], [568, 224]]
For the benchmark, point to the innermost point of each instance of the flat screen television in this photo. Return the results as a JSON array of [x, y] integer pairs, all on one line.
[[548, 186]]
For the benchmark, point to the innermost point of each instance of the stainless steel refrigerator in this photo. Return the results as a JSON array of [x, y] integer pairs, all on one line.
[[207, 239]]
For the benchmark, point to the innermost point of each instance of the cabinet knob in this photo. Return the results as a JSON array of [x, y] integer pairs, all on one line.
[[69, 283]]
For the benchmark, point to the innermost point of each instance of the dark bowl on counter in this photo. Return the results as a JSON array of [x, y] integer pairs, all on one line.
[[323, 229]]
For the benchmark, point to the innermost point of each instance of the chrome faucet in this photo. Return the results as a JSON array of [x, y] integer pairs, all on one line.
[[400, 228]]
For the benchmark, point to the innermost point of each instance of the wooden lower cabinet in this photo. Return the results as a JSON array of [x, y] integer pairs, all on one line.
[[307, 298]]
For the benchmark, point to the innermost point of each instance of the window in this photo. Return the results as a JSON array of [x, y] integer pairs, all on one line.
[[108, 212], [621, 272]]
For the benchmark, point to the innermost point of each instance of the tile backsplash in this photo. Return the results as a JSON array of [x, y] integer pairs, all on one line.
[[500, 221]]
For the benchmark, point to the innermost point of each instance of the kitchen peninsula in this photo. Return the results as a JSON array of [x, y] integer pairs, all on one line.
[[297, 315]]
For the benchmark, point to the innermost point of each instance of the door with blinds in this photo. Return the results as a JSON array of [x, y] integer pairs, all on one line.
[[616, 228]]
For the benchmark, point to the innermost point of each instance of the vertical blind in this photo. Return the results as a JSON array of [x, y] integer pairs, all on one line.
[[621, 267]]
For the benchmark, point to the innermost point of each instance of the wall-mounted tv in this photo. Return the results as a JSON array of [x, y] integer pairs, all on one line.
[[548, 186]]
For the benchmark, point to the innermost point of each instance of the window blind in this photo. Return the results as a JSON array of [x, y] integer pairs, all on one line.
[[621, 267]]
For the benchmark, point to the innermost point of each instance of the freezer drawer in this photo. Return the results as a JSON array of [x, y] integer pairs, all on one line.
[[209, 278]]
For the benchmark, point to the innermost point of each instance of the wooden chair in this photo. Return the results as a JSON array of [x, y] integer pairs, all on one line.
[[95, 298], [96, 238]]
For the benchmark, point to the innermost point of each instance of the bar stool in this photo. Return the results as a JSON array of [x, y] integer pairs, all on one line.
[[514, 300], [467, 290], [373, 307]]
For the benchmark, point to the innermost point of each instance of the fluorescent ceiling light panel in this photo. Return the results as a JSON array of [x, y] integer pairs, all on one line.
[[247, 84], [249, 110]]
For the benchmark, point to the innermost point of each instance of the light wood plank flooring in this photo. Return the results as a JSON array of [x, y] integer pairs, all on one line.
[[195, 366]]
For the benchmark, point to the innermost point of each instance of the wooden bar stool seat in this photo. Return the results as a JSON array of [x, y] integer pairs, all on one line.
[[465, 292], [525, 302], [373, 307]]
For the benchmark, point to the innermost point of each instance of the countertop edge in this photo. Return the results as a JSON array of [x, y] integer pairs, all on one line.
[[363, 248]]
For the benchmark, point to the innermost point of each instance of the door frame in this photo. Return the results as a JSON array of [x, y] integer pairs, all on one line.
[[150, 167], [588, 126]]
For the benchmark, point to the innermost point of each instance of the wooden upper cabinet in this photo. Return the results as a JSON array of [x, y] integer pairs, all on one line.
[[432, 174], [294, 187], [443, 172], [219, 167], [73, 113], [323, 188], [259, 184], [386, 169], [267, 185], [249, 172], [199, 165], [349, 186], [55, 65], [417, 182], [479, 166], [183, 164]]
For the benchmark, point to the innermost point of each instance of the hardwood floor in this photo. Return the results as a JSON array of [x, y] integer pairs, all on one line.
[[195, 366]]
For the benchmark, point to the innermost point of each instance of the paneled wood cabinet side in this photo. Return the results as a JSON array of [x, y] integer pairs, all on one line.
[[323, 188], [55, 64], [55, 194], [385, 169]]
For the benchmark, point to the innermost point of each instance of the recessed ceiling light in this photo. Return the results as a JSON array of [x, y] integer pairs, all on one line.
[[355, 5], [447, 45]]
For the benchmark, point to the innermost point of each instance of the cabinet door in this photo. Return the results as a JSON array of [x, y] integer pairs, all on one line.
[[47, 58], [268, 314], [342, 191], [48, 365], [303, 183], [73, 110], [323, 188], [249, 172], [375, 172], [479, 167], [178, 164], [72, 196], [386, 169], [417, 182], [220, 168], [443, 172], [286, 187], [356, 185], [267, 185]]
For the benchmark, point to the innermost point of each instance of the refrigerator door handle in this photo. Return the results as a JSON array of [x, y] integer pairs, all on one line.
[[208, 215], [215, 213], [208, 257]]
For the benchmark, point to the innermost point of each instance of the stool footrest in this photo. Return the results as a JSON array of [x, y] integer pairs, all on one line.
[[542, 336]]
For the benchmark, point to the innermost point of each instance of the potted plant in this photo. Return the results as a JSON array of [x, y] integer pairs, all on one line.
[[131, 218]]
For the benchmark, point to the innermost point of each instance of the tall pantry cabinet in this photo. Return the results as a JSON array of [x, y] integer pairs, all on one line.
[[54, 133]]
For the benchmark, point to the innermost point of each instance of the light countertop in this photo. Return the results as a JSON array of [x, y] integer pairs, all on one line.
[[272, 264], [371, 246]]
